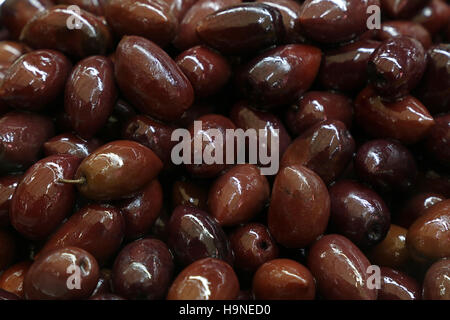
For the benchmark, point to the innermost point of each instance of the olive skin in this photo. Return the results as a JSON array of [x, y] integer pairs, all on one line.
[[151, 80], [187, 35], [35, 80], [193, 234], [221, 282], [434, 16], [396, 285], [12, 278], [252, 245], [21, 138], [141, 212], [8, 185], [90, 95], [428, 238], [117, 170], [283, 279], [387, 165], [104, 284], [152, 279], [316, 106], [406, 120], [49, 275], [106, 296], [396, 67], [10, 51], [7, 248], [325, 148], [41, 201], [340, 269], [299, 208], [392, 252], [280, 75], [189, 193], [436, 285], [149, 19], [5, 295], [98, 229], [68, 143], [415, 207], [49, 30], [402, 8], [238, 195], [93, 6], [358, 213], [391, 29], [327, 22], [437, 141], [206, 69]]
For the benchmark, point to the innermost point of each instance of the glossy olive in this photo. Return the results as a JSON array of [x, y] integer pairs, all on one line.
[[8, 248], [6, 295], [98, 229], [434, 16], [41, 201], [50, 274], [151, 80], [206, 279], [299, 207], [252, 245], [193, 234], [401, 8], [68, 143], [340, 269], [396, 285], [116, 122], [104, 284], [238, 195], [93, 6], [189, 193], [436, 285], [143, 270], [415, 207], [437, 142], [35, 80], [12, 278], [8, 185], [391, 29], [10, 51], [90, 95]]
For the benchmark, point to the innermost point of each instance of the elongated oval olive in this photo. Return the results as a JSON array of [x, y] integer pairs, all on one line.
[[436, 285], [68, 143], [12, 278]]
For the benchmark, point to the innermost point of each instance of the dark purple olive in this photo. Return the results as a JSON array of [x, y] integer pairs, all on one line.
[[436, 285], [391, 29], [8, 185], [396, 285], [194, 235], [401, 8], [438, 140], [434, 16], [68, 143], [415, 207]]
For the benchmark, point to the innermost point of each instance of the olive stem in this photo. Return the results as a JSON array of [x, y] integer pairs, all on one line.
[[82, 180]]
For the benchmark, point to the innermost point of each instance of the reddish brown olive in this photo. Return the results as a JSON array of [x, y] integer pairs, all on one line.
[[8, 185], [12, 278], [396, 285], [8, 248], [68, 143], [434, 16], [206, 279], [436, 285], [415, 207], [93, 6], [10, 51], [104, 284], [401, 8], [391, 29], [106, 296], [299, 207], [189, 192]]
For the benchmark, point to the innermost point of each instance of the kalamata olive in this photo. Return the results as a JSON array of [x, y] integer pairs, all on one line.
[[68, 273], [21, 138], [149, 19], [6, 295], [8, 185], [206, 279], [406, 120], [104, 284], [152, 134], [340, 269], [392, 251], [387, 165], [245, 117], [151, 80], [93, 6], [280, 75], [428, 238], [98, 229], [68, 143], [391, 29], [325, 148], [35, 80], [10, 51], [358, 213], [238, 195], [206, 69], [12, 278], [433, 181], [16, 13], [316, 106], [116, 170], [299, 207], [194, 234], [189, 192], [396, 285], [7, 248], [415, 207], [434, 16], [401, 8], [433, 90], [329, 22], [438, 140], [40, 201], [89, 34], [106, 296], [252, 245], [345, 68], [187, 35], [142, 211], [242, 29], [283, 279], [114, 126], [143, 270], [396, 67], [205, 143], [90, 95], [179, 7], [436, 285], [197, 110]]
